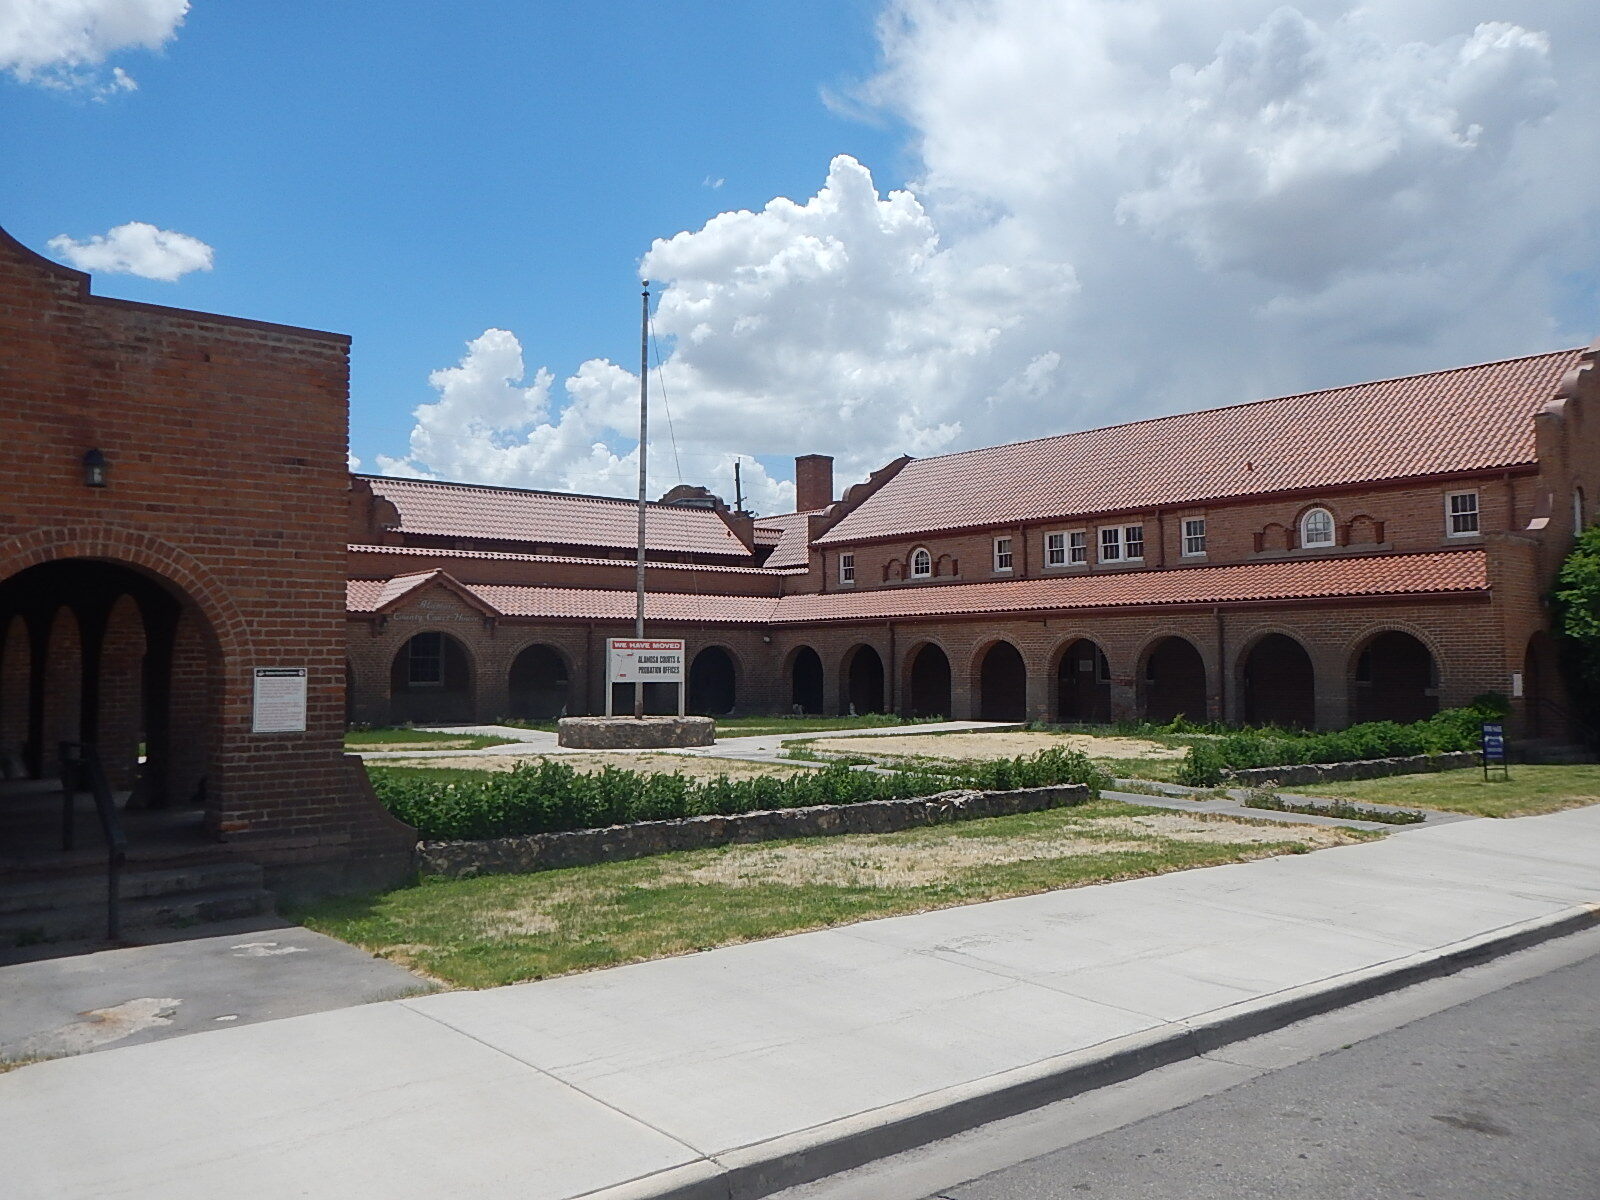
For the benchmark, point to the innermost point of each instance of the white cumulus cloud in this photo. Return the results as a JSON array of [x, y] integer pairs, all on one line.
[[64, 43], [1118, 209], [137, 248]]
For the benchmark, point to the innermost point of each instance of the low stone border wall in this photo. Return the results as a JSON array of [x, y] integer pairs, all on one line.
[[582, 847], [1367, 768]]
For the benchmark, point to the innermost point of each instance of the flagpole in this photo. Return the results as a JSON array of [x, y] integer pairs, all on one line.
[[644, 430]]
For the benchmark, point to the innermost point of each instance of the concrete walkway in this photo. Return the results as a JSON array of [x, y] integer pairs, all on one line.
[[738, 1071], [765, 747]]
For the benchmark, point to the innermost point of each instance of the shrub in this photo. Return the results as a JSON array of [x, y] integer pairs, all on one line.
[[548, 796], [1202, 766]]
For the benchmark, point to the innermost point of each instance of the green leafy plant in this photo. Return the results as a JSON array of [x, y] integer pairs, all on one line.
[[1265, 796], [1576, 604]]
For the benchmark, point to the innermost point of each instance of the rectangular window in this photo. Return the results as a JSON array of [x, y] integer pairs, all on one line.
[[847, 569], [1002, 554], [1078, 546], [425, 660], [1111, 544], [1462, 514], [1133, 541], [1055, 549], [1194, 537]]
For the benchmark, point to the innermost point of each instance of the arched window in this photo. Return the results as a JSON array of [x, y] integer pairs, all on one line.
[[921, 563], [1316, 528]]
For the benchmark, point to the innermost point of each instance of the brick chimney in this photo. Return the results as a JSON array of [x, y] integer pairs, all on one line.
[[813, 481]]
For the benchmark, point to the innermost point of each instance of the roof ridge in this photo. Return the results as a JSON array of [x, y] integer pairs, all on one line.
[[522, 491], [1194, 412]]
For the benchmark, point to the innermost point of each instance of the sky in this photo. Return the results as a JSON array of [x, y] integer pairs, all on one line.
[[872, 227]]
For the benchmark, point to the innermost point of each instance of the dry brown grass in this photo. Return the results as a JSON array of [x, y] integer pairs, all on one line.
[[590, 761]]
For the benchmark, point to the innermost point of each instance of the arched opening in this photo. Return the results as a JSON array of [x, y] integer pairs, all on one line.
[[538, 685], [1083, 685], [1396, 679], [122, 663], [863, 683], [1002, 684], [713, 689], [805, 682], [1278, 683], [1544, 696], [430, 682], [1174, 682], [928, 693]]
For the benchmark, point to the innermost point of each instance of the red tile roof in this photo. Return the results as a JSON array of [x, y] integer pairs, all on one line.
[[496, 555], [1460, 571], [557, 518], [792, 549], [1466, 419]]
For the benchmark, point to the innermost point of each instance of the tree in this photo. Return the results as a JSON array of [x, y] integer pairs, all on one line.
[[1577, 617]]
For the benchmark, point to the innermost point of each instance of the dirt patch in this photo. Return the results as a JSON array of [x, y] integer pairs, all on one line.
[[443, 744], [1183, 828], [968, 746], [589, 762]]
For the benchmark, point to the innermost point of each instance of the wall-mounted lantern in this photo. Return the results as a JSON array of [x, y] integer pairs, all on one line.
[[94, 469]]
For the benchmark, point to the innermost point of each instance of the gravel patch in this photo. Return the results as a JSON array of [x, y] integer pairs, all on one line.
[[969, 746]]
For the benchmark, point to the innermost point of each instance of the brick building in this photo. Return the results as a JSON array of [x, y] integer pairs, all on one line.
[[1366, 552], [172, 518]]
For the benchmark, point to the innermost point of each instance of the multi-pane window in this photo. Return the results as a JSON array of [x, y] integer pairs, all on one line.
[[847, 568], [1316, 528], [921, 564], [1111, 543], [1194, 536], [1055, 549], [1461, 509], [425, 660], [1133, 541], [1002, 554], [1078, 546]]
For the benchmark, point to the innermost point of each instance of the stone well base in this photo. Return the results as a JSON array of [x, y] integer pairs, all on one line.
[[635, 733]]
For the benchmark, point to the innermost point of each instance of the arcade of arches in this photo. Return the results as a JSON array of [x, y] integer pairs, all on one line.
[[101, 654]]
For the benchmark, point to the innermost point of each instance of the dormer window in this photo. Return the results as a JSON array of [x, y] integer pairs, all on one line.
[[1316, 528], [921, 564]]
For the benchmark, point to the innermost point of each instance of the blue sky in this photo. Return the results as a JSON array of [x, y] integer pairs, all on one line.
[[1113, 210]]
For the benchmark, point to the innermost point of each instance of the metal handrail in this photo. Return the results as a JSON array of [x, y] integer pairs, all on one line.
[[82, 771]]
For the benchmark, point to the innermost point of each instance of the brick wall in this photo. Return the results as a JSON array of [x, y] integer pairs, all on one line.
[[226, 441]]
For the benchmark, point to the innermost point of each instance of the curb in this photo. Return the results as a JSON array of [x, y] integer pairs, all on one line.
[[760, 1170]]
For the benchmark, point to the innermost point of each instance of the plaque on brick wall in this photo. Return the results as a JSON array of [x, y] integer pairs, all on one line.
[[280, 700]]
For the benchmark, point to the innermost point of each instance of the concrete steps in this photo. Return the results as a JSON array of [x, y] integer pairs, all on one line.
[[73, 907]]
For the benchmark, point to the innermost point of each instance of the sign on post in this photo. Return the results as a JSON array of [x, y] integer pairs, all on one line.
[[279, 700], [1493, 749], [649, 660]]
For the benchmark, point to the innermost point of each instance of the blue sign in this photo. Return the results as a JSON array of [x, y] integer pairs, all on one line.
[[1494, 742]]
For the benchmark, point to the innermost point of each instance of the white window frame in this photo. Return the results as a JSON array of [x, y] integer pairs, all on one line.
[[1111, 547], [1055, 548], [847, 570], [1333, 529], [1004, 556], [1127, 543], [927, 554], [1451, 513], [1189, 549], [1077, 547]]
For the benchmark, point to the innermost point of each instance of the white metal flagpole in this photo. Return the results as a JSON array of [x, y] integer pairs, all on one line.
[[644, 432]]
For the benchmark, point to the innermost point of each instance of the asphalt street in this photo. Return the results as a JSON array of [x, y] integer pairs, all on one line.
[[1497, 1098]]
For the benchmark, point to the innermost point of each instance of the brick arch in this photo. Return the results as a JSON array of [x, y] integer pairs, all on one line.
[[1000, 682], [110, 543], [1358, 645], [927, 691], [1076, 695], [1275, 690]]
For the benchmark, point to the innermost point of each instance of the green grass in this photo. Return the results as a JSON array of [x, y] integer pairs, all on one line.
[[377, 739], [1530, 790], [499, 929]]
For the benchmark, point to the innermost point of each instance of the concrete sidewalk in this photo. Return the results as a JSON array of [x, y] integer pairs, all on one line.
[[742, 1070]]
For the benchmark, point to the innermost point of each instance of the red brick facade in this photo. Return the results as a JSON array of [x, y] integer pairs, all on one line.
[[1329, 664], [217, 546]]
